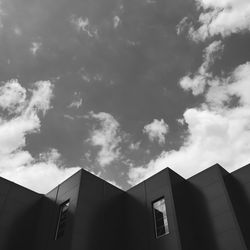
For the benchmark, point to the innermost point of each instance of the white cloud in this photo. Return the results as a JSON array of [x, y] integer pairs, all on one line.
[[68, 117], [222, 91], [182, 25], [211, 53], [83, 24], [198, 82], [41, 176], [35, 47], [12, 96], [107, 137], [40, 99], [22, 119], [217, 133], [85, 75], [223, 17], [135, 146], [76, 103], [13, 131], [156, 131], [116, 21]]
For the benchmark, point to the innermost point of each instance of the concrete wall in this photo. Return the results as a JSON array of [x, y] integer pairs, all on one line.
[[216, 220], [141, 230], [100, 216], [209, 211], [69, 189], [19, 212], [95, 220], [238, 184]]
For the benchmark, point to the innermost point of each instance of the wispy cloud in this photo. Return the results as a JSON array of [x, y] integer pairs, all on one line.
[[134, 146], [35, 47], [156, 131], [12, 96], [83, 24], [107, 137], [68, 117], [218, 18], [76, 103], [200, 79], [116, 21]]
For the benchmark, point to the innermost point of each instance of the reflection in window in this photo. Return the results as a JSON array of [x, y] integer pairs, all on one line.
[[160, 218], [62, 218]]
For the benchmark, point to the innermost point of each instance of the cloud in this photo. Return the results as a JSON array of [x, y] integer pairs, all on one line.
[[22, 119], [222, 91], [35, 48], [156, 131], [198, 82], [107, 137], [12, 96], [77, 102], [217, 132], [182, 25], [40, 176], [221, 18], [116, 21], [82, 24], [135, 146], [68, 117]]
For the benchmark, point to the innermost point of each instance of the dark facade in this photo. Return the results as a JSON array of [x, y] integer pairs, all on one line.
[[209, 211]]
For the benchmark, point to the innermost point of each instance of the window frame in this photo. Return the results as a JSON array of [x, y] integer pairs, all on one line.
[[59, 218], [165, 217]]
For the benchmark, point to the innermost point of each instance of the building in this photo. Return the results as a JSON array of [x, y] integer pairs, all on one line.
[[209, 211]]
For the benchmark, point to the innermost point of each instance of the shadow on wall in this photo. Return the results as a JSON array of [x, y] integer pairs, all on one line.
[[22, 233], [138, 230], [241, 204], [204, 235], [108, 226]]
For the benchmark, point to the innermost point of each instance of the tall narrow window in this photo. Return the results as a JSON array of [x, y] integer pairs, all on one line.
[[62, 219], [160, 218]]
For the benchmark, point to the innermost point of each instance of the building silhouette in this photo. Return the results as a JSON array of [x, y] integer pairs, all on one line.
[[209, 211]]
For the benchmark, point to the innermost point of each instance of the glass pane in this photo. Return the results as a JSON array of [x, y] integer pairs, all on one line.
[[160, 217], [161, 231], [166, 229], [62, 218]]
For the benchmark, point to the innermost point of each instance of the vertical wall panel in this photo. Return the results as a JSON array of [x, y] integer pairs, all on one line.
[[19, 211], [216, 220]]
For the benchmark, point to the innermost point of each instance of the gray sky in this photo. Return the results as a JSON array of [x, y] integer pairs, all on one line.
[[122, 88]]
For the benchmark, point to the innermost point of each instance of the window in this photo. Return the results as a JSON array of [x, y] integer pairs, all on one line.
[[62, 218], [160, 218]]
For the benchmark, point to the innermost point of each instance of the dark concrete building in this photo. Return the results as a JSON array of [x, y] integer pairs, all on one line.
[[209, 211]]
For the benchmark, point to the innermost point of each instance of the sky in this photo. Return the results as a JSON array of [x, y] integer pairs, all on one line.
[[122, 88]]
